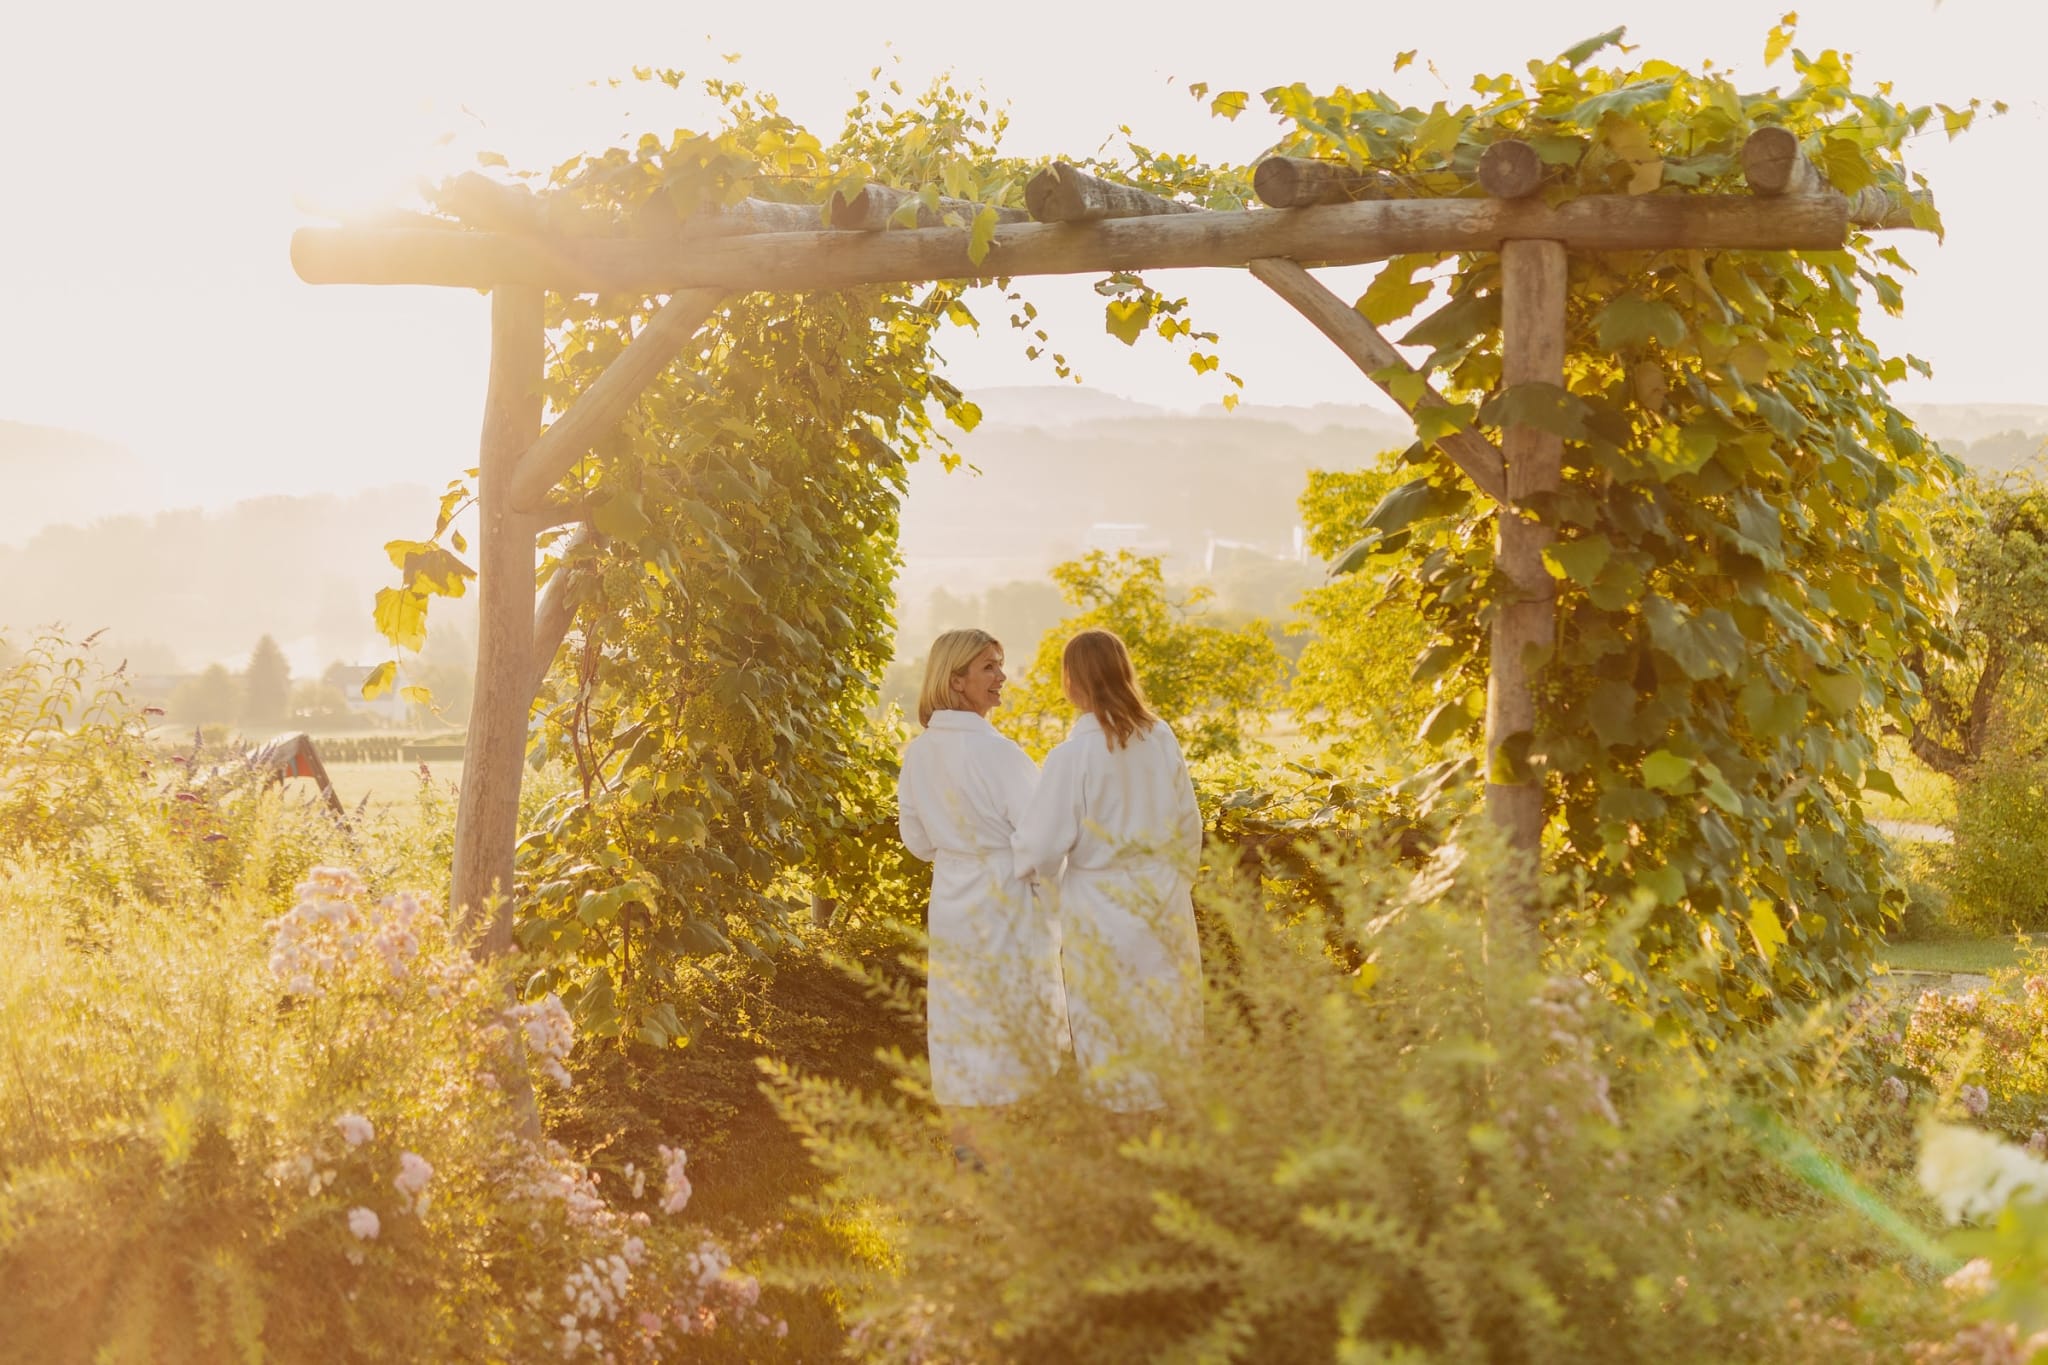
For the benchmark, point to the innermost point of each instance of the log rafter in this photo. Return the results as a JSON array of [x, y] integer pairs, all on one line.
[[1327, 234], [600, 407]]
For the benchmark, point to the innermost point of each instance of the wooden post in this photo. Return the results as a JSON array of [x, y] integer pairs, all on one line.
[[1532, 352], [494, 758]]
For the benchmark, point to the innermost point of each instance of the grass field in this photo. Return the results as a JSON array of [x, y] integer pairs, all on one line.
[[381, 784]]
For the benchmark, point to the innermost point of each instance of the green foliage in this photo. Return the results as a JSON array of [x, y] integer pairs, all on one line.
[[1363, 683], [1208, 682], [734, 596], [1994, 869], [1985, 695], [1745, 565], [1402, 1139]]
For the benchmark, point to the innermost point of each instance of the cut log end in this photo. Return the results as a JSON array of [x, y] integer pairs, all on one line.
[[1773, 164], [1510, 169], [1292, 182]]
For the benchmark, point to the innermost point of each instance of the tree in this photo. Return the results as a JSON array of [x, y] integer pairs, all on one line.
[[266, 686], [209, 699], [1353, 689], [1208, 682], [1990, 685]]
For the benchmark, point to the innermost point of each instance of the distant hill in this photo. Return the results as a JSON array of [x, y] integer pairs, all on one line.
[[1050, 472], [1992, 438], [182, 589]]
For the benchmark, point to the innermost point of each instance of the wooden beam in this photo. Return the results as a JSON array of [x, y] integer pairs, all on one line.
[[598, 409], [1510, 169], [1062, 193], [873, 208], [1329, 234], [1293, 182], [1533, 277], [1375, 355], [555, 613], [494, 757]]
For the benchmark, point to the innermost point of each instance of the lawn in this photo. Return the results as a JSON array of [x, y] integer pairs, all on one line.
[[1957, 954], [382, 784]]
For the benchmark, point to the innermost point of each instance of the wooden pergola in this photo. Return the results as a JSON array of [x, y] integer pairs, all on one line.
[[1315, 214]]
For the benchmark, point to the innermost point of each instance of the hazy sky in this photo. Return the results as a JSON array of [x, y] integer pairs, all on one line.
[[160, 155]]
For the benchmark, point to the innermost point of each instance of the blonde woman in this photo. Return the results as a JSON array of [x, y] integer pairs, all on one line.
[[1114, 828], [994, 1008]]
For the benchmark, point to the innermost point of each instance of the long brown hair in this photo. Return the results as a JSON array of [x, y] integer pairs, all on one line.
[[1099, 678]]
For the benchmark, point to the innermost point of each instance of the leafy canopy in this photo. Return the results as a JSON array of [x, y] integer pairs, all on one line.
[[1744, 565]]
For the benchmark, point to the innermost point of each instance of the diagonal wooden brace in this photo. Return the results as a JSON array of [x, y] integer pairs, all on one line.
[[606, 401], [1478, 457]]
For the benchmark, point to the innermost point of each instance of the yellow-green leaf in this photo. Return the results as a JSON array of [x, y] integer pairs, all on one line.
[[1769, 933], [401, 617], [380, 680], [981, 235], [1666, 771]]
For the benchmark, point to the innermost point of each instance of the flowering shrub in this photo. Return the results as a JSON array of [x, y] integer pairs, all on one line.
[[1405, 1138], [283, 1136], [1990, 1047]]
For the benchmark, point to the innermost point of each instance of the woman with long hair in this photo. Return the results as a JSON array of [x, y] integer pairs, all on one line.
[[995, 1012], [1115, 831]]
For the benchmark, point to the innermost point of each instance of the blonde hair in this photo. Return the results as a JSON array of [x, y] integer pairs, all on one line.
[[1097, 671], [950, 656]]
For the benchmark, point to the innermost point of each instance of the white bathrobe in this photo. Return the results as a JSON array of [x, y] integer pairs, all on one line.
[[1125, 824], [995, 1012]]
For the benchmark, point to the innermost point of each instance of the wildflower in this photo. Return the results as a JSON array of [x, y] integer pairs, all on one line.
[[1894, 1091], [2037, 985], [675, 1184], [1975, 1100], [2037, 1143], [355, 1129], [363, 1223]]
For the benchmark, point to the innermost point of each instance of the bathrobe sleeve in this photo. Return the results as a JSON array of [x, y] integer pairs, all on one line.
[[1052, 824], [1188, 815], [915, 837]]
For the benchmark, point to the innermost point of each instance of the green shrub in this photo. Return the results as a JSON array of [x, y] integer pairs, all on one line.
[[1404, 1138], [2001, 846], [1922, 866]]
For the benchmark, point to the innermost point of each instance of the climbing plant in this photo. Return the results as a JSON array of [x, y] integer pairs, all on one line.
[[733, 586], [1744, 566]]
